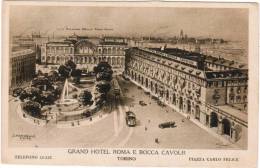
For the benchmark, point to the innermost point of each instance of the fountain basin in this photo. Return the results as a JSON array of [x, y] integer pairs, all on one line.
[[67, 102]]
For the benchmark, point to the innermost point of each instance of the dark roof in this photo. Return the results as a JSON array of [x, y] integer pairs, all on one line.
[[112, 43], [59, 43], [181, 53], [226, 74], [71, 41]]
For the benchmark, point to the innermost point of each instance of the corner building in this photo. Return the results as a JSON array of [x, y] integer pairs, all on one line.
[[181, 79], [22, 67]]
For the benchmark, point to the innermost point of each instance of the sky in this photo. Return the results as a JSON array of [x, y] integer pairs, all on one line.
[[230, 24]]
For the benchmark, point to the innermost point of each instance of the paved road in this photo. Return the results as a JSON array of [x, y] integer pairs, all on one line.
[[185, 135]]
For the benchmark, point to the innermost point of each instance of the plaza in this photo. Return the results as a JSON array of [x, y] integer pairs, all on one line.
[[111, 130], [201, 95]]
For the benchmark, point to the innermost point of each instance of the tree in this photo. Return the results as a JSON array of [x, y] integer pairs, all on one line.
[[107, 76], [103, 71], [48, 98], [64, 71], [76, 74], [53, 76], [70, 64], [103, 87], [32, 108], [85, 97], [57, 91], [42, 83], [17, 92], [30, 93], [23, 95], [103, 67]]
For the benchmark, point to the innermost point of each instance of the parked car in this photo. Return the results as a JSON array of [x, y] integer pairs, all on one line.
[[142, 103], [154, 97], [125, 78], [170, 124], [160, 103], [146, 92]]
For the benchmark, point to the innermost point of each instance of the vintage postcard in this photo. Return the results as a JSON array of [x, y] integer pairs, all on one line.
[[130, 84]]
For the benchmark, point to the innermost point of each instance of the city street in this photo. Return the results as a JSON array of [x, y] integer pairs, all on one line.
[[112, 131]]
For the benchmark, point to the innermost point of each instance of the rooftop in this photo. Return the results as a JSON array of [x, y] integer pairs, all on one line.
[[181, 53], [112, 43], [21, 52], [59, 43], [227, 74], [225, 62]]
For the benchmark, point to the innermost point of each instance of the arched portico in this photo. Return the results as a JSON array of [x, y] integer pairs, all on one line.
[[197, 112], [180, 103], [226, 126], [188, 106], [174, 99], [213, 119]]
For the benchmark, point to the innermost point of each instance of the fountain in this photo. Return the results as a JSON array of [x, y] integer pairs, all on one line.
[[64, 99]]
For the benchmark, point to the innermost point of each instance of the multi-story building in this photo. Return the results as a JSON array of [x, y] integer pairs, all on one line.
[[182, 79], [57, 52], [86, 52], [22, 67], [112, 50]]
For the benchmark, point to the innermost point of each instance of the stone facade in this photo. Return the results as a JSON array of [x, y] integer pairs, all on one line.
[[22, 67], [85, 53], [183, 81], [57, 52]]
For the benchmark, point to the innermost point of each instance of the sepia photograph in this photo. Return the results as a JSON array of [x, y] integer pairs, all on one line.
[[167, 78]]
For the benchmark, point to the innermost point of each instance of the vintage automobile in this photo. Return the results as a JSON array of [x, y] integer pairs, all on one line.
[[142, 103], [170, 124], [160, 103], [130, 119]]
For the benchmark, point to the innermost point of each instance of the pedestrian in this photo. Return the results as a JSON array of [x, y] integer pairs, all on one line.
[[145, 128], [156, 140]]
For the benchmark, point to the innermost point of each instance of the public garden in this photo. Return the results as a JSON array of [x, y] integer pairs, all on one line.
[[68, 94]]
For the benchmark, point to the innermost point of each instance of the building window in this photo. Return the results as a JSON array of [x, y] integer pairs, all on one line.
[[231, 98], [223, 83], [209, 84], [216, 84], [245, 98], [245, 89], [238, 98], [238, 90]]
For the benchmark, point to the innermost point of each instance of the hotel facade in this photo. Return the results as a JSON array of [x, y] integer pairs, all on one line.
[[211, 94]]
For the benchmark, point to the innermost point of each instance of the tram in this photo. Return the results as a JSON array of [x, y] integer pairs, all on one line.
[[130, 119]]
